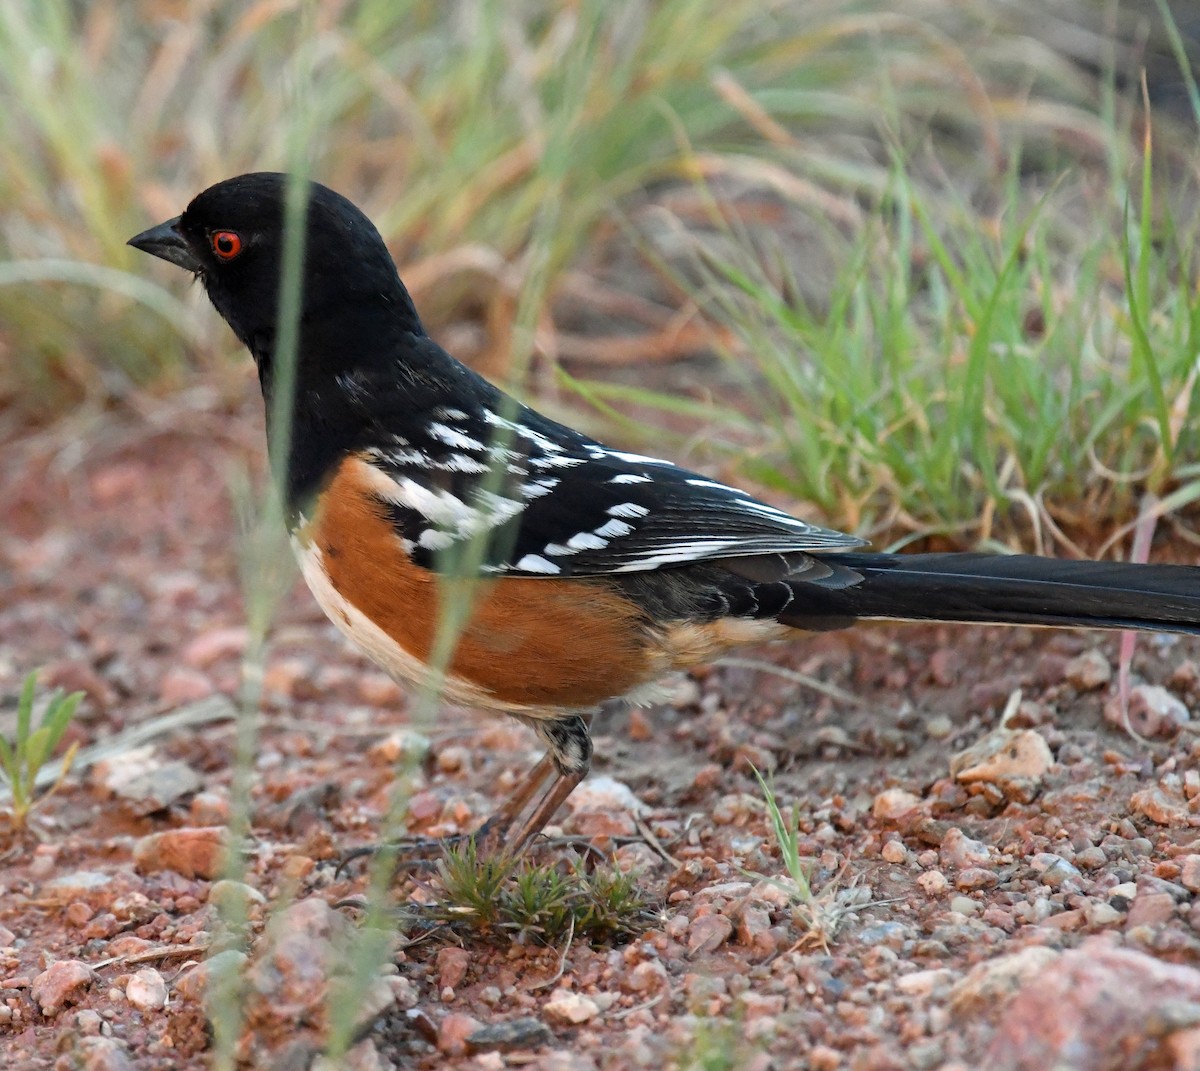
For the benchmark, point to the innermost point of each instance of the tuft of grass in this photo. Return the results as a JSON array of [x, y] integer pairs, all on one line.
[[23, 757], [542, 902], [1019, 378]]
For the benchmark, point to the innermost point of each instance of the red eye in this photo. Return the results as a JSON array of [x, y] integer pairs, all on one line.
[[226, 244]]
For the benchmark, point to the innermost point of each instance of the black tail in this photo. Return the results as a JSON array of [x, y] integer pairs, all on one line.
[[1003, 589]]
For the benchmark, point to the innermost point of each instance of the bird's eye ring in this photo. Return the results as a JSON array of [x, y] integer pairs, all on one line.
[[226, 244]]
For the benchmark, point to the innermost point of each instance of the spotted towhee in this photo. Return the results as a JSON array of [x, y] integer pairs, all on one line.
[[598, 570]]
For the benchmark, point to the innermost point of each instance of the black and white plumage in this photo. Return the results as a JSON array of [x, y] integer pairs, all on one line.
[[546, 501]]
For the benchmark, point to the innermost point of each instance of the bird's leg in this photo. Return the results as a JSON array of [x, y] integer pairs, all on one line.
[[510, 810], [569, 755]]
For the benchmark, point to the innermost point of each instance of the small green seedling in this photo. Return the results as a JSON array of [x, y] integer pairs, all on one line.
[[819, 914], [22, 758]]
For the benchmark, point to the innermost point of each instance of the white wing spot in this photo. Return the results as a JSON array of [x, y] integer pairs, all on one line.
[[535, 563], [538, 488], [586, 541], [633, 459], [536, 437], [708, 483], [436, 539], [557, 461], [462, 463], [627, 509], [453, 437], [614, 528], [632, 477]]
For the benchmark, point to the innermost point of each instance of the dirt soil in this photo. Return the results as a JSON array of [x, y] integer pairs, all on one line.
[[1036, 907]]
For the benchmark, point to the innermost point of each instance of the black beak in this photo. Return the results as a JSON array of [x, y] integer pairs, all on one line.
[[166, 242]]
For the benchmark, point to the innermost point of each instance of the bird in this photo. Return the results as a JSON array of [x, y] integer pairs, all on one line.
[[593, 571]]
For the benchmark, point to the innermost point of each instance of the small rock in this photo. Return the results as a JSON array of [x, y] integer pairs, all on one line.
[[945, 665], [570, 1007], [194, 852], [79, 914], [893, 804], [194, 983], [605, 794], [453, 758], [235, 897], [649, 976], [976, 877], [754, 929], [725, 890], [515, 1034], [959, 850], [893, 852], [778, 892], [923, 983], [379, 690], [402, 745], [756, 1006], [155, 789], [364, 1056], [214, 644], [146, 990], [454, 1032], [79, 885], [938, 727], [100, 1054], [1153, 711], [1088, 671], [889, 934], [1162, 808], [567, 1060], [964, 905], [290, 678], [60, 984], [1053, 870], [708, 933], [210, 809], [182, 684], [1099, 914], [89, 1022], [452, 964], [1013, 761], [1150, 909], [934, 882], [1125, 892]]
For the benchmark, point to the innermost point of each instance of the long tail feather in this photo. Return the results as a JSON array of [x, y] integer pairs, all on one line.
[[1004, 589]]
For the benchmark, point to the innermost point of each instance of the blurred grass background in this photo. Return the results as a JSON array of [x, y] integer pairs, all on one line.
[[927, 265]]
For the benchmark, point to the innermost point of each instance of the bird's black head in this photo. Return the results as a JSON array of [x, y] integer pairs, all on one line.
[[232, 238]]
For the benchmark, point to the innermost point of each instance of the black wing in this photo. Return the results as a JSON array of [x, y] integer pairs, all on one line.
[[535, 498]]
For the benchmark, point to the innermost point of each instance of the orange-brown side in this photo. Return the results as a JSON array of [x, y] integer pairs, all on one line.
[[555, 643]]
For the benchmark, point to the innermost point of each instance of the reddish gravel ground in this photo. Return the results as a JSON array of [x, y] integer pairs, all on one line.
[[1016, 897]]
